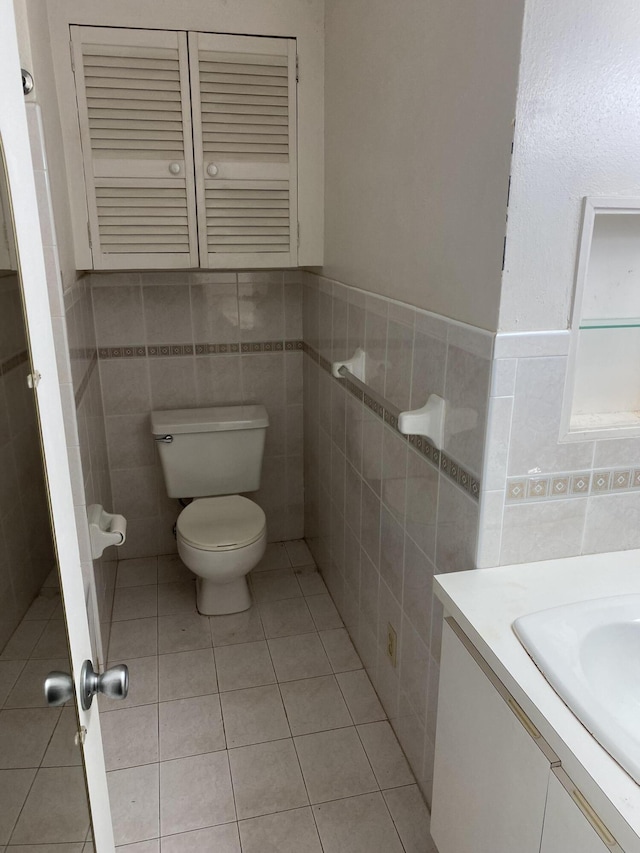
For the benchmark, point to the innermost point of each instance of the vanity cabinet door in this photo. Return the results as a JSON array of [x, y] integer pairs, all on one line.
[[567, 829], [490, 777]]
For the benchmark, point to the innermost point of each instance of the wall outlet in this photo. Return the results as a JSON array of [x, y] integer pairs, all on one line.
[[392, 644]]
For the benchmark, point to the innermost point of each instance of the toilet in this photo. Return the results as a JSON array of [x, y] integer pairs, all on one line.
[[213, 455]]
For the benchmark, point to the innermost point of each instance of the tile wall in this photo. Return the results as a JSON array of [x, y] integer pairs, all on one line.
[[194, 339], [543, 498], [26, 550], [384, 512], [74, 338]]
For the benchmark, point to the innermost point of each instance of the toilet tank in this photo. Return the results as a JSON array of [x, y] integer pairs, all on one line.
[[214, 451]]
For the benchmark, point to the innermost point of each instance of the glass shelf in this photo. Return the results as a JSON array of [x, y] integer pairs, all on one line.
[[610, 323]]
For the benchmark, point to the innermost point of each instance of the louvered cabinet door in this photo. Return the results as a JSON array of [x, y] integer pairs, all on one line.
[[243, 92], [132, 89]]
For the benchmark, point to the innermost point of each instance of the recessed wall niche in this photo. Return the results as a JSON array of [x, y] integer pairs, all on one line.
[[602, 398]]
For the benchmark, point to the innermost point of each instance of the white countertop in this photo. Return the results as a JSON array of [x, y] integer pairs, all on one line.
[[485, 602]]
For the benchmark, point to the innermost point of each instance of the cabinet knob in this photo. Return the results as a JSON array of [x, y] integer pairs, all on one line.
[[212, 170], [174, 168]]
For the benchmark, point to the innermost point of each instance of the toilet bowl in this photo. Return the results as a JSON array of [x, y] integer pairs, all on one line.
[[221, 539], [214, 456]]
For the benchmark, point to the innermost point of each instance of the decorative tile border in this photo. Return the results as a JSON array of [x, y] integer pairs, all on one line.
[[93, 363], [574, 484], [173, 350], [13, 362], [389, 413]]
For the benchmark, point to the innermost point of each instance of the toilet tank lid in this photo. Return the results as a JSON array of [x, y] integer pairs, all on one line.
[[213, 419]]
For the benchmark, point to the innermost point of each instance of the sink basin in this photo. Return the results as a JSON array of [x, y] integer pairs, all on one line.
[[590, 654]]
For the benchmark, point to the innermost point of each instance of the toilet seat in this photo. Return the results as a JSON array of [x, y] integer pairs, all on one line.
[[221, 524]]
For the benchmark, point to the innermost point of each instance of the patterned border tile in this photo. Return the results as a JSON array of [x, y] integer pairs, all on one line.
[[93, 363], [173, 350], [573, 484], [389, 413], [13, 362]]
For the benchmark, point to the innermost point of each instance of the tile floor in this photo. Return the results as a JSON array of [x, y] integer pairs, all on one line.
[[43, 804], [253, 733]]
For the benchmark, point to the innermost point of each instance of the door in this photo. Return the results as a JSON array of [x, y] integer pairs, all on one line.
[[16, 171], [567, 829], [490, 779]]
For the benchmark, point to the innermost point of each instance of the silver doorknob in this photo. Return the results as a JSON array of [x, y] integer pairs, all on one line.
[[58, 688], [113, 682]]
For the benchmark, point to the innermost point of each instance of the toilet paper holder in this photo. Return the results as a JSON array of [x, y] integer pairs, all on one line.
[[105, 529]]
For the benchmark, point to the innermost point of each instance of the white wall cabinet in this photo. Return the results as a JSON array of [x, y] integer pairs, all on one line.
[[189, 146], [495, 787]]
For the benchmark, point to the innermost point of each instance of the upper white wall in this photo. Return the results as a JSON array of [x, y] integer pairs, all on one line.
[[419, 104], [577, 134]]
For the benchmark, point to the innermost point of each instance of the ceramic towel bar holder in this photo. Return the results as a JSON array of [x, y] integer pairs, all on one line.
[[427, 421], [105, 529]]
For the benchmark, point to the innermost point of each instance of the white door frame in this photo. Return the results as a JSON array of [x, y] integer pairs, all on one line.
[[14, 133]]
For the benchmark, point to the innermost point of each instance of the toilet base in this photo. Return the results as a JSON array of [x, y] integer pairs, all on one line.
[[219, 599]]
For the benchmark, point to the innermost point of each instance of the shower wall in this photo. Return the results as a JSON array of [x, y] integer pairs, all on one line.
[[385, 512], [26, 550]]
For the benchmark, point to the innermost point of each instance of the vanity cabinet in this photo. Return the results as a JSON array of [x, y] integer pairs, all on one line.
[[189, 148], [565, 828], [496, 785]]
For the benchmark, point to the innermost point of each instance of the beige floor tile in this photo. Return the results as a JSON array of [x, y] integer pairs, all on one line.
[[62, 750], [177, 597], [185, 674], [245, 627], [266, 778], [43, 605], [190, 727], [275, 586], [340, 651], [135, 602], [245, 665], [27, 691], [183, 632], [130, 736], [310, 580], [14, 787], [23, 640], [78, 847], [143, 684], [52, 642], [152, 846], [324, 612], [287, 832], [334, 765], [134, 638], [275, 557], [314, 705], [357, 825], [25, 735], [171, 568], [298, 657], [56, 809], [255, 715], [385, 756], [138, 572], [218, 839], [410, 815], [361, 698], [134, 798], [286, 618], [195, 792], [298, 552], [9, 673]]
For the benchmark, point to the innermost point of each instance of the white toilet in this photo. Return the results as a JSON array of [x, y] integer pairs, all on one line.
[[212, 455]]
